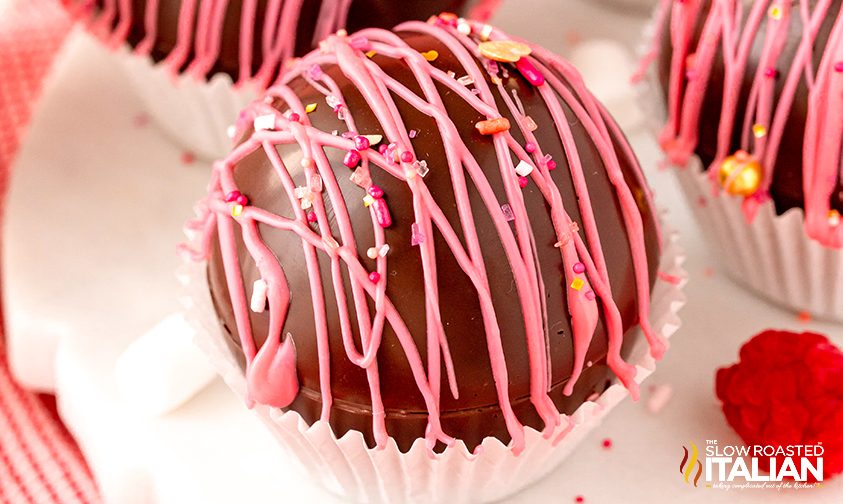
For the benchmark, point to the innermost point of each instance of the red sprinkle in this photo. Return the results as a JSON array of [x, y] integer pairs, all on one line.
[[232, 196], [523, 181], [804, 317], [188, 157], [579, 499], [375, 277], [352, 159], [361, 142], [607, 443], [311, 217], [551, 165], [407, 157], [242, 200], [295, 117], [838, 67], [375, 192], [771, 72]]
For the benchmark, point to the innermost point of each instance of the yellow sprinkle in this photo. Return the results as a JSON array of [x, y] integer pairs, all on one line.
[[236, 210], [776, 12], [506, 51], [430, 55], [834, 218], [310, 107], [577, 284], [371, 54], [368, 200], [759, 131]]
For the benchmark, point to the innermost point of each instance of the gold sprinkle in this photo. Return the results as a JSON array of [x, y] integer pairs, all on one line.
[[371, 54], [368, 200], [506, 51], [759, 131], [776, 11], [431, 55], [236, 210], [577, 284], [834, 218], [310, 107]]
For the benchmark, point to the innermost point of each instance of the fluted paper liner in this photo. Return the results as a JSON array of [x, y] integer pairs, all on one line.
[[347, 467], [194, 112], [771, 256]]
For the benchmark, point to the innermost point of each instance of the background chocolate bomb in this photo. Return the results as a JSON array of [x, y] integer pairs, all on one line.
[[476, 414]]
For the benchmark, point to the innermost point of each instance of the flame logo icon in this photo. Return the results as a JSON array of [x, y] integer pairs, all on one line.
[[689, 461]]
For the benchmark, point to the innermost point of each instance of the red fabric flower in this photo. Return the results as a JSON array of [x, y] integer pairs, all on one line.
[[787, 389]]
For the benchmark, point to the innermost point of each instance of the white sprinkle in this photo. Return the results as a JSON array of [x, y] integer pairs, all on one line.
[[413, 133], [265, 122], [374, 139], [466, 80], [384, 250], [231, 131], [258, 303], [421, 168], [332, 101], [524, 168]]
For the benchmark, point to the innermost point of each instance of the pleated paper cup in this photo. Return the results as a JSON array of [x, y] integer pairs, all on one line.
[[350, 469], [195, 113], [771, 256]]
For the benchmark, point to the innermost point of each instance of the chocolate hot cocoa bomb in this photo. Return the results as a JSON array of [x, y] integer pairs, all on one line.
[[431, 233], [760, 89], [245, 38]]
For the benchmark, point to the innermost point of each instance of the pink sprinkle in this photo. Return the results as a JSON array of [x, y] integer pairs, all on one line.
[[242, 200], [141, 120], [352, 159], [232, 196], [507, 212], [188, 157], [579, 268], [551, 165], [530, 147], [294, 117], [375, 277], [607, 443], [407, 157], [382, 214], [413, 133], [771, 73], [579, 499], [671, 279], [361, 143], [311, 217], [382, 148], [359, 42], [530, 72], [375, 192], [315, 72], [523, 181], [838, 67], [417, 237], [659, 397]]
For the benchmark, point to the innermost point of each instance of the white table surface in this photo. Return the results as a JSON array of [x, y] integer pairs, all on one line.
[[98, 205]]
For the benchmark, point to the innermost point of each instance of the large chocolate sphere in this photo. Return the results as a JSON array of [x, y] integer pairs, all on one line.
[[521, 241]]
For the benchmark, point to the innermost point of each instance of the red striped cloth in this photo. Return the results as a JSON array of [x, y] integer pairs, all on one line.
[[39, 462]]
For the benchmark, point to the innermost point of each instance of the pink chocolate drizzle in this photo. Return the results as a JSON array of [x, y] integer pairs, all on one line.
[[732, 28], [586, 274]]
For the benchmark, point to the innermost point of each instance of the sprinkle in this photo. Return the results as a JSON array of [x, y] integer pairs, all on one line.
[[577, 284], [530, 147], [340, 111], [507, 212], [607, 443], [372, 253], [530, 72], [430, 55], [523, 182], [671, 279], [311, 217], [231, 131], [242, 200], [834, 218], [368, 200], [384, 250], [374, 139], [306, 203], [486, 32], [265, 122], [771, 73], [579, 268], [375, 192], [507, 51], [382, 214], [659, 396], [360, 178], [492, 126], [352, 159], [413, 133], [530, 124], [315, 72], [451, 74], [416, 235], [359, 42], [759, 130], [463, 26], [232, 196], [236, 210], [294, 117], [374, 277], [258, 302], [316, 183], [551, 165], [579, 499], [466, 80], [407, 157], [301, 192], [421, 168], [371, 54], [524, 168], [804, 317], [310, 107], [333, 101], [361, 143], [838, 67], [776, 12]]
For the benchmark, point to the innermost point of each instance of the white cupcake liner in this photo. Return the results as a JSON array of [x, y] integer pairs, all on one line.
[[195, 113], [771, 256], [347, 467]]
